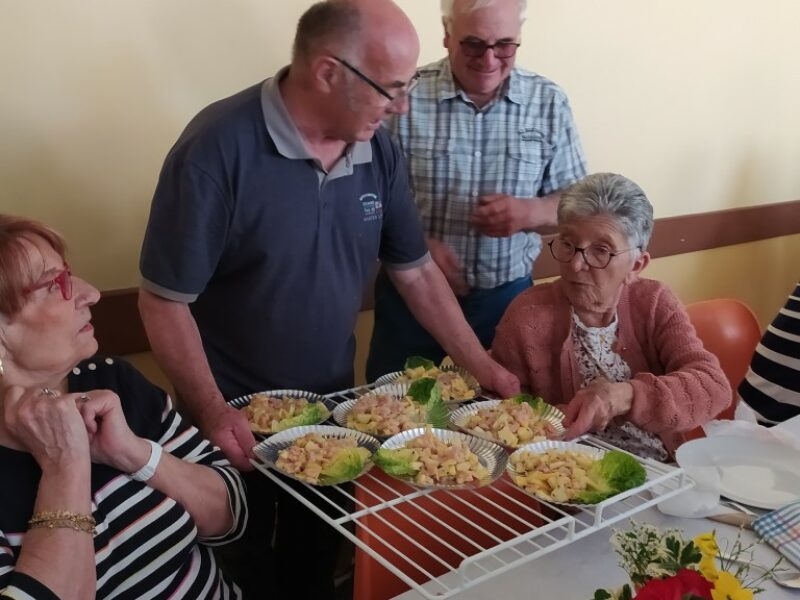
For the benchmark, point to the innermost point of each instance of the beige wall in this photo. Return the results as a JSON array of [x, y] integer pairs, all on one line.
[[694, 100]]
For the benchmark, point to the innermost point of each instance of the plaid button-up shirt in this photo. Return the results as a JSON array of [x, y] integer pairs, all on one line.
[[524, 144]]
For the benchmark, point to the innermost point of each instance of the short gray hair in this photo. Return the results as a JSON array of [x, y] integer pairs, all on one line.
[[448, 7], [613, 195], [326, 24]]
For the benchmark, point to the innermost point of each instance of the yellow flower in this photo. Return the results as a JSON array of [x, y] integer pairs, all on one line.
[[707, 544], [708, 568], [727, 587]]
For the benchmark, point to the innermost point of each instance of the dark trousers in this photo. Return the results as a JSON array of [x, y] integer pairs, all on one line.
[[396, 334], [286, 552]]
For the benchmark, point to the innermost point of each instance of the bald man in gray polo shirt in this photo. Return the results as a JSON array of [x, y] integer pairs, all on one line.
[[269, 215]]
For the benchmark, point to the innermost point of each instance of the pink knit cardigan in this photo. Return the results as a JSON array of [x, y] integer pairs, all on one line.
[[677, 384]]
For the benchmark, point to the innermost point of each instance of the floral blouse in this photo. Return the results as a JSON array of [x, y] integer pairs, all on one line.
[[597, 358]]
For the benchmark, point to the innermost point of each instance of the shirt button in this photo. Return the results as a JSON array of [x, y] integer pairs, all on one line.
[[480, 115], [478, 153]]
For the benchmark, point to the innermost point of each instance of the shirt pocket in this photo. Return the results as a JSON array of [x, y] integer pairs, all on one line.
[[430, 170], [527, 156]]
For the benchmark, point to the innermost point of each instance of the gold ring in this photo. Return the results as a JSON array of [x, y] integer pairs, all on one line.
[[83, 398], [46, 391]]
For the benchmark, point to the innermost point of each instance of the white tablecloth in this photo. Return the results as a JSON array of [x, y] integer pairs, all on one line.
[[575, 571]]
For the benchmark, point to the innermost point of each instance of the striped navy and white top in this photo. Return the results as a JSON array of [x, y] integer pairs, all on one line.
[[146, 545], [772, 384]]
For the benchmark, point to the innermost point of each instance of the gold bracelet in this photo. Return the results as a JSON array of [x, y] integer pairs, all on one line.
[[63, 519]]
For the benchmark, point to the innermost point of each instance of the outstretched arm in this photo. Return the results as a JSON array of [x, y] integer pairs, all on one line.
[[429, 297], [176, 343]]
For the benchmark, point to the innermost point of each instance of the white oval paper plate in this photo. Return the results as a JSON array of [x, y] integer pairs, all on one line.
[[756, 472]]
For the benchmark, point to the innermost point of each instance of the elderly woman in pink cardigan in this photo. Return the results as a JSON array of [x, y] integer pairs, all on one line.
[[616, 348]]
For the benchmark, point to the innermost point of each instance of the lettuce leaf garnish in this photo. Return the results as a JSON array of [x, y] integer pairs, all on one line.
[[425, 390], [401, 462], [536, 403], [345, 465], [428, 392], [414, 362], [614, 473], [313, 413]]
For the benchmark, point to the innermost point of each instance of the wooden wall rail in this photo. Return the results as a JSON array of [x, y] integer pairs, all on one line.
[[119, 329]]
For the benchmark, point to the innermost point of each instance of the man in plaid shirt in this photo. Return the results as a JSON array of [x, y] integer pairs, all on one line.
[[489, 147]]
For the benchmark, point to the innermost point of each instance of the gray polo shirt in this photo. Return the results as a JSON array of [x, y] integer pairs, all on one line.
[[272, 252]]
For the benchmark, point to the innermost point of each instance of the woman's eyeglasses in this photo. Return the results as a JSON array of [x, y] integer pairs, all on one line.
[[63, 280], [477, 48], [597, 257]]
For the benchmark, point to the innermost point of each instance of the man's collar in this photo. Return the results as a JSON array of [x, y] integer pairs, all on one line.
[[279, 123], [447, 88], [284, 132]]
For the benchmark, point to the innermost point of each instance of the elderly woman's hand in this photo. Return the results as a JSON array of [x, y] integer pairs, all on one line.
[[111, 441], [594, 406], [47, 425]]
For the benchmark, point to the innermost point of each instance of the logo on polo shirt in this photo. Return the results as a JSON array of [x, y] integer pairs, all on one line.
[[371, 207]]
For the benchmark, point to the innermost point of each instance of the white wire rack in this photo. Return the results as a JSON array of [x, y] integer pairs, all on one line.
[[418, 535]]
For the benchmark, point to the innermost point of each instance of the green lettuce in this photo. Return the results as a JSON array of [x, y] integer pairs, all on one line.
[[400, 462], [345, 465], [537, 403], [428, 392], [313, 413], [425, 390], [614, 473], [414, 362]]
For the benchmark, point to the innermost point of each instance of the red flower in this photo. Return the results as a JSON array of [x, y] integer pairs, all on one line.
[[695, 584], [661, 589], [686, 583]]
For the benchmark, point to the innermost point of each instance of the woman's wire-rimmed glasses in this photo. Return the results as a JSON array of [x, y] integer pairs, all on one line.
[[405, 91], [597, 257]]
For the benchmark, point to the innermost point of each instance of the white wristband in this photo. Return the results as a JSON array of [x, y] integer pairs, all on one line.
[[147, 471]]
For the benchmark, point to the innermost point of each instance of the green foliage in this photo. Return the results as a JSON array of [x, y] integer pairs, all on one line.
[[624, 593], [614, 473], [647, 553], [690, 555]]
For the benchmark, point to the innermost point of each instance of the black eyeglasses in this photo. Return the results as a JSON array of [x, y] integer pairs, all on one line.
[[405, 91], [477, 48], [597, 257]]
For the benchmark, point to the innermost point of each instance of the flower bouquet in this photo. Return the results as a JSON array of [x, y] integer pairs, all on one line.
[[662, 565]]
